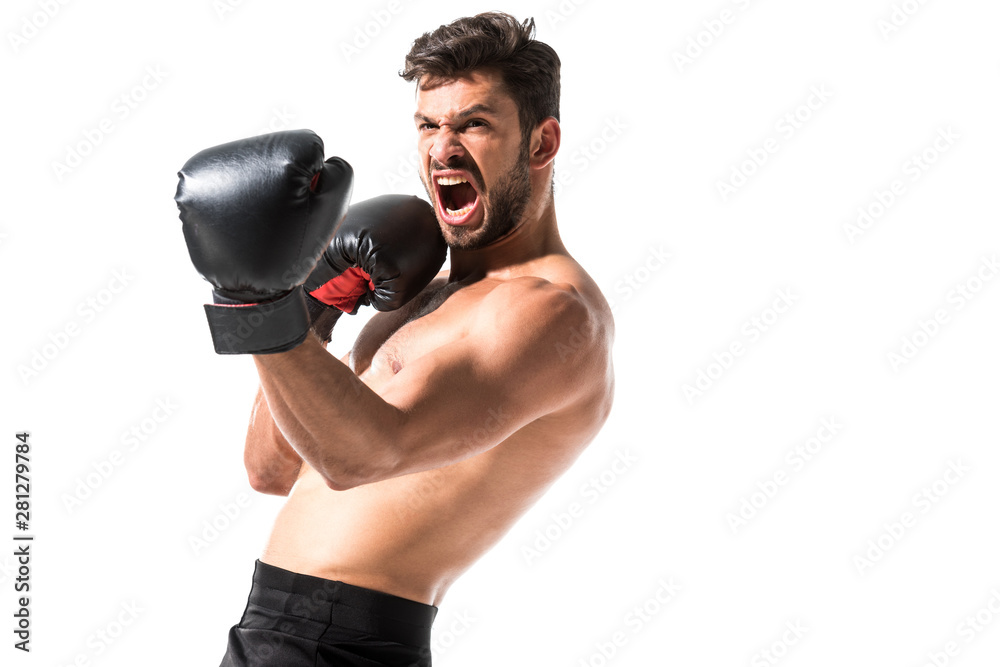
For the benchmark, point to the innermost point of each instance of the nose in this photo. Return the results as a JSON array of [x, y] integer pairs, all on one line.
[[446, 146]]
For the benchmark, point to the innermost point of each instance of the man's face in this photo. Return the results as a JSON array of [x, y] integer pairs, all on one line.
[[474, 163]]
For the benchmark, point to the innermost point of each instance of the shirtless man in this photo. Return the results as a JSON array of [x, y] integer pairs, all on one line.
[[408, 459]]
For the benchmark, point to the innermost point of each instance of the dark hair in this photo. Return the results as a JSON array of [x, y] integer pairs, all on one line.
[[529, 68]]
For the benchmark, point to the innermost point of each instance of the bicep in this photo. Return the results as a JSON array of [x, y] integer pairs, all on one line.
[[471, 394]]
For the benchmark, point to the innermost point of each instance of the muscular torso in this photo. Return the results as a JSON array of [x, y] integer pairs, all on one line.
[[413, 535]]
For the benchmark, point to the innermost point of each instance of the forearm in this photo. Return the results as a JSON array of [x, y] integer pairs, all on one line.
[[335, 422], [272, 464]]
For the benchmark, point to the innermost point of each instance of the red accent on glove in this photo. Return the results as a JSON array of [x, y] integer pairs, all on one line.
[[344, 291]]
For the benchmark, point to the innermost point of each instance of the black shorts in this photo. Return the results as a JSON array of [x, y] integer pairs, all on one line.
[[295, 619]]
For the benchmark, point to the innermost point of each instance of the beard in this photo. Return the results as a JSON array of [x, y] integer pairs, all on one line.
[[503, 203]]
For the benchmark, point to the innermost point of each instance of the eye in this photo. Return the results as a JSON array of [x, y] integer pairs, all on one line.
[[476, 123], [423, 127]]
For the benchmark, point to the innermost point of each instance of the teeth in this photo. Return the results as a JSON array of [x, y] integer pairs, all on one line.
[[460, 212], [451, 180]]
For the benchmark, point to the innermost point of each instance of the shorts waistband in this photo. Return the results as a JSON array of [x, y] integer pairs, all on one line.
[[327, 601]]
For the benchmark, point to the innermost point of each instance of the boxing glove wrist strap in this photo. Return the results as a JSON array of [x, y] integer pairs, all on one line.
[[323, 318], [259, 328]]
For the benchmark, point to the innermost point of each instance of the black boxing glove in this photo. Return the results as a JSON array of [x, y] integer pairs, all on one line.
[[257, 214], [387, 249]]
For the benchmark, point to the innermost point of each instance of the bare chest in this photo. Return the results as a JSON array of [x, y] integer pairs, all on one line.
[[437, 317]]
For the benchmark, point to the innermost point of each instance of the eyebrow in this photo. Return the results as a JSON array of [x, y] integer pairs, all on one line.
[[474, 109]]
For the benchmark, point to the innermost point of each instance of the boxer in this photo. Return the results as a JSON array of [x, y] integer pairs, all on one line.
[[460, 402]]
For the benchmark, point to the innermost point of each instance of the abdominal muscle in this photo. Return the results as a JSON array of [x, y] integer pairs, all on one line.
[[410, 536]]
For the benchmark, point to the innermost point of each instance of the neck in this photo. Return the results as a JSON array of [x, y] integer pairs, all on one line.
[[535, 236]]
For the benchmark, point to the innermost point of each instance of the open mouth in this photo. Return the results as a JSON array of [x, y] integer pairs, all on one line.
[[457, 198]]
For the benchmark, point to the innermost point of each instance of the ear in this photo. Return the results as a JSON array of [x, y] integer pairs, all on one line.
[[545, 142]]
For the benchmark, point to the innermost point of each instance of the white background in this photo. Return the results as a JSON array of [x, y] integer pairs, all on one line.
[[647, 139]]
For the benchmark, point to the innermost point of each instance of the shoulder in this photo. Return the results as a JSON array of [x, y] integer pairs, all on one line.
[[562, 326], [534, 295]]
